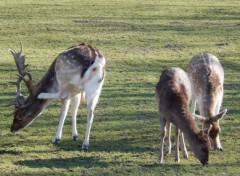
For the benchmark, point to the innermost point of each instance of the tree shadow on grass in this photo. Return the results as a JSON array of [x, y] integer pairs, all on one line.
[[66, 163]]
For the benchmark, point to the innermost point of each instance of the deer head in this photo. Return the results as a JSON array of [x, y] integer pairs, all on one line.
[[215, 128], [24, 107]]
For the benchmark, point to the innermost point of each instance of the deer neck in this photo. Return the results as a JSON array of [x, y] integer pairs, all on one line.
[[188, 126], [48, 83], [208, 105]]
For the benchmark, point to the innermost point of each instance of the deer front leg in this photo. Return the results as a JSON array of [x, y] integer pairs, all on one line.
[[75, 102], [183, 146], [177, 133], [64, 109], [91, 104], [163, 135]]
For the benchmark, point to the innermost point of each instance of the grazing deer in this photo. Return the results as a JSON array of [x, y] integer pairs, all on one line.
[[206, 76], [174, 93], [78, 70]]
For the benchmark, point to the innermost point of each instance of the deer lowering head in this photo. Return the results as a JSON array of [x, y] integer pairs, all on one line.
[[24, 113], [207, 76], [174, 92], [77, 71]]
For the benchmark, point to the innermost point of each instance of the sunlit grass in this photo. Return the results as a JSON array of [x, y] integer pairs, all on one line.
[[139, 40]]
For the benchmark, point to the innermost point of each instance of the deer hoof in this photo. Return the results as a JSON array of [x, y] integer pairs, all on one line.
[[177, 160], [185, 156], [55, 141], [219, 148], [75, 138], [160, 161], [85, 147]]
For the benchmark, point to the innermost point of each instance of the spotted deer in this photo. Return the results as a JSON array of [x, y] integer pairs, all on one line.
[[76, 71], [207, 76], [173, 95]]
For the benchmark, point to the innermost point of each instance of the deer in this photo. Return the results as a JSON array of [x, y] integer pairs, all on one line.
[[207, 77], [173, 92], [77, 72]]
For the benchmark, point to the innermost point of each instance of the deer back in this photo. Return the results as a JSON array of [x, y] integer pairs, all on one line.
[[206, 75], [174, 94]]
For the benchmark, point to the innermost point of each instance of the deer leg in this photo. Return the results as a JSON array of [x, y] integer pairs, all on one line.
[[219, 103], [91, 104], [183, 146], [177, 133], [217, 142], [64, 109], [193, 105], [75, 102], [169, 148], [163, 135]]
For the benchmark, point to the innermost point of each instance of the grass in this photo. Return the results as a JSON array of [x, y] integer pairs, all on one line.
[[139, 40]]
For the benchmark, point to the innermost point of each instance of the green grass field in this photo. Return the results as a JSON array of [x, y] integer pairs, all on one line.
[[139, 40]]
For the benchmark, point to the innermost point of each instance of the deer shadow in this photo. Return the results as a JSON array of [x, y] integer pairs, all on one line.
[[65, 163]]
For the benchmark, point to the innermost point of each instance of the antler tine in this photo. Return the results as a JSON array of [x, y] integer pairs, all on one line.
[[21, 48], [21, 67], [28, 82], [14, 52]]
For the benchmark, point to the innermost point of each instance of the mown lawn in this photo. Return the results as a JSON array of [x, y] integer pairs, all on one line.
[[139, 40]]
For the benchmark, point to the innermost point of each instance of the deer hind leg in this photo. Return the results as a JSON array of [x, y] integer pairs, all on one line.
[[64, 109], [92, 100], [163, 124], [177, 135], [183, 146], [75, 102]]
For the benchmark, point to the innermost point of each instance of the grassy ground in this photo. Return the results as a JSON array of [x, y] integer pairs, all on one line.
[[139, 39]]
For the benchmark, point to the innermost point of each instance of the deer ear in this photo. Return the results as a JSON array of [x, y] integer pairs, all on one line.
[[200, 118], [220, 115], [12, 51]]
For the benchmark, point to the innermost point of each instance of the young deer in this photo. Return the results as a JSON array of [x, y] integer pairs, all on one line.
[[174, 94], [78, 70], [206, 76]]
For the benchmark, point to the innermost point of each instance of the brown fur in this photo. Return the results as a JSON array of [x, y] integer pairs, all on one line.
[[174, 93]]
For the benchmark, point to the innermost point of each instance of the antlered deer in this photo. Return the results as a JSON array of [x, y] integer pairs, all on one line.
[[174, 93], [78, 70], [206, 76]]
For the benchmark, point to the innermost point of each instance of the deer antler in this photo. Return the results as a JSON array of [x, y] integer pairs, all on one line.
[[20, 63]]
